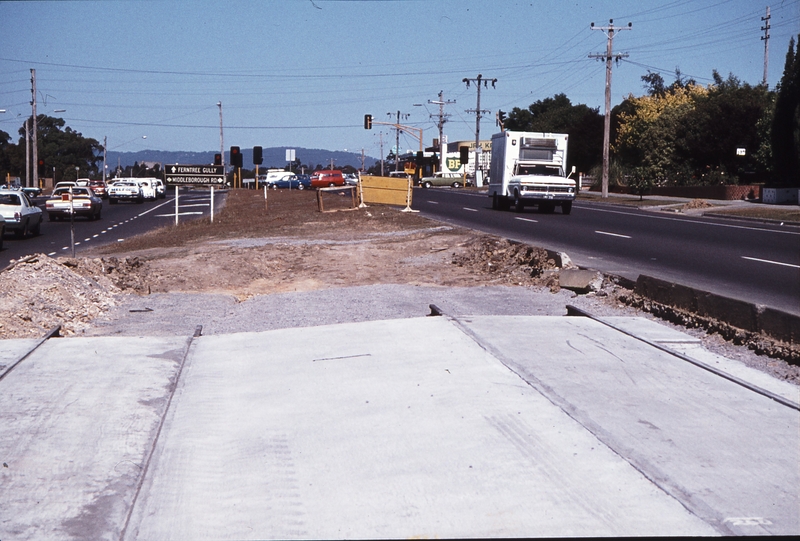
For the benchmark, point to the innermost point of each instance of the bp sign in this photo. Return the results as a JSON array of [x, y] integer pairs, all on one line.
[[194, 174]]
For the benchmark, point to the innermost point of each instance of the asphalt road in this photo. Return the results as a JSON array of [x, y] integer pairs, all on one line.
[[117, 223], [751, 261]]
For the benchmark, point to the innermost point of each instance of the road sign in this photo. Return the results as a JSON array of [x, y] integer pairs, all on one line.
[[194, 174]]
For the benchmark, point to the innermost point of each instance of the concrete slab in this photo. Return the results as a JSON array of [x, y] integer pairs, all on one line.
[[402, 428], [11, 350], [77, 420], [730, 455]]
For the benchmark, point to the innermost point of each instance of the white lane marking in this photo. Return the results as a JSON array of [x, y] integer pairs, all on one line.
[[526, 220], [52, 253], [613, 234], [771, 262], [120, 240], [173, 215], [95, 236], [684, 220], [86, 240], [471, 210], [433, 202]]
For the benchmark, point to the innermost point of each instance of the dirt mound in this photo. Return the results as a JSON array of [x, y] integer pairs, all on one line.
[[39, 293], [696, 204]]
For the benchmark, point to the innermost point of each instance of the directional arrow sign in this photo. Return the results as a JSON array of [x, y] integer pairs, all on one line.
[[194, 174]]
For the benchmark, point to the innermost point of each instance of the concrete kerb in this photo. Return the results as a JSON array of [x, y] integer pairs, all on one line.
[[740, 314]]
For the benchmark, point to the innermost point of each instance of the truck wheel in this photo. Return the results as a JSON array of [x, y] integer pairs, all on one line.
[[566, 207], [519, 205], [495, 202]]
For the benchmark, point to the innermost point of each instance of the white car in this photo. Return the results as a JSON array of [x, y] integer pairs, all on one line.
[[125, 190], [19, 214]]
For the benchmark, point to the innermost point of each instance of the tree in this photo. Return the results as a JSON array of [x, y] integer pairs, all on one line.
[[723, 119], [583, 124], [785, 136], [63, 150]]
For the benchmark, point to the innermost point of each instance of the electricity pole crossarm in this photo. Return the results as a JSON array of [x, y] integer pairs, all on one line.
[[401, 127], [609, 30], [478, 114]]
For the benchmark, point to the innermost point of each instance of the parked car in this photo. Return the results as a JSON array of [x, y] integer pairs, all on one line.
[[99, 188], [351, 179], [125, 190], [64, 184], [327, 177], [19, 214], [399, 174], [442, 179], [84, 203], [273, 176], [293, 182]]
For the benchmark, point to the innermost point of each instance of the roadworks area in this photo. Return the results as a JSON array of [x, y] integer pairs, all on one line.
[[254, 249]]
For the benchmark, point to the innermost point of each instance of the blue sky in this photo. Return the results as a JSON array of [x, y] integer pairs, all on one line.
[[302, 73]]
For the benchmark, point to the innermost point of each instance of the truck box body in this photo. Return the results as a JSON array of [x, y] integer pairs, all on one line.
[[529, 168]]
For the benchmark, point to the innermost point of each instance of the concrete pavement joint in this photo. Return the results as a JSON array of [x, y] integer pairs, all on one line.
[[574, 311], [189, 342], [647, 469]]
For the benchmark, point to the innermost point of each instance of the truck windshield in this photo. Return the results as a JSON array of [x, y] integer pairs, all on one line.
[[541, 170]]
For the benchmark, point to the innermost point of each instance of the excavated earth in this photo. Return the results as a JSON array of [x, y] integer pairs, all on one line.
[[253, 248]]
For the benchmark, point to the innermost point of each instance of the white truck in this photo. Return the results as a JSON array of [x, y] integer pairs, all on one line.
[[528, 168]]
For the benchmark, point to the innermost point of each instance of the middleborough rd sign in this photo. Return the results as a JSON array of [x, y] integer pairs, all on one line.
[[194, 174]]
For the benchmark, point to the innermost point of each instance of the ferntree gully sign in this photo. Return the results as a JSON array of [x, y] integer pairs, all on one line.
[[194, 174]]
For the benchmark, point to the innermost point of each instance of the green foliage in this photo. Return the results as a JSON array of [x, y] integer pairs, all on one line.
[[688, 134], [62, 149], [785, 136], [557, 115]]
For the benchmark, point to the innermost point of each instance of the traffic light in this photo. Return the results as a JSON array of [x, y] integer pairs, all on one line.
[[236, 157], [420, 158], [367, 122], [464, 156], [41, 172], [217, 159], [258, 159]]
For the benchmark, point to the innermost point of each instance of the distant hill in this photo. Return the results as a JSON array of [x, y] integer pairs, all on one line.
[[273, 157]]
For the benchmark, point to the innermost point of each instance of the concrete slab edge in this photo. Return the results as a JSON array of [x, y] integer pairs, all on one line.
[[574, 311]]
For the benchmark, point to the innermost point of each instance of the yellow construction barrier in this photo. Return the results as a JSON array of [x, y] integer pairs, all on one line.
[[386, 191]]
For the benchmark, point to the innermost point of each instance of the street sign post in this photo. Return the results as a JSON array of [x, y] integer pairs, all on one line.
[[203, 175]]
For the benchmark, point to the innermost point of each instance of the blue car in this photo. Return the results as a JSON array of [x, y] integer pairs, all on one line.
[[294, 182]]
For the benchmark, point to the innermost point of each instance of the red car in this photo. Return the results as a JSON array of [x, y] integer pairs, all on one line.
[[328, 177], [99, 188]]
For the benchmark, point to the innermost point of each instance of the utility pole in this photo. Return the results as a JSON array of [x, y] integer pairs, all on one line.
[[35, 141], [610, 30], [397, 143], [442, 119], [28, 152], [105, 146], [222, 140], [765, 38], [478, 114], [381, 140]]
